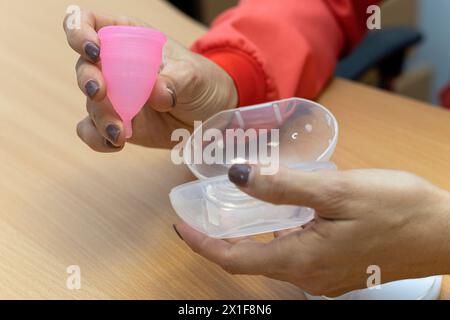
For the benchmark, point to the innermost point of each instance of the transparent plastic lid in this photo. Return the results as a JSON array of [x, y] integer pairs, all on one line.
[[296, 133], [294, 130]]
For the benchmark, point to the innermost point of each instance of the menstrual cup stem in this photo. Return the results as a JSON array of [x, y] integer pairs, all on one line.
[[128, 126]]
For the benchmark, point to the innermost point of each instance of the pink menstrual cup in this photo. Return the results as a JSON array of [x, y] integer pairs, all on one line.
[[131, 58]]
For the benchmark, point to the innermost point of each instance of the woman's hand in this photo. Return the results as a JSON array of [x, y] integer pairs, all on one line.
[[394, 220], [189, 87]]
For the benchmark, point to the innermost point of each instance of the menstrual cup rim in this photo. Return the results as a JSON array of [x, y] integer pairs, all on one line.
[[112, 31]]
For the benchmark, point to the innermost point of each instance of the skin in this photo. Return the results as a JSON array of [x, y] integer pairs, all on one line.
[[189, 87], [392, 219]]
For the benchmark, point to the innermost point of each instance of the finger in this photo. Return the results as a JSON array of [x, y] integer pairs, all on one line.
[[90, 80], [84, 39], [288, 186], [106, 121], [178, 78], [244, 257], [164, 95], [88, 133]]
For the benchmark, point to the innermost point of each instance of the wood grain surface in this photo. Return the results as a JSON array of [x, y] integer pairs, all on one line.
[[61, 204]]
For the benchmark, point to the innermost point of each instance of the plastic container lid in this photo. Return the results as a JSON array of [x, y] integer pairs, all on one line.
[[297, 133], [306, 132]]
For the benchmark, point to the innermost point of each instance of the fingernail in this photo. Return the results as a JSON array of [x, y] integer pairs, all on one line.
[[176, 231], [91, 88], [110, 145], [173, 95], [113, 133], [239, 173], [92, 50]]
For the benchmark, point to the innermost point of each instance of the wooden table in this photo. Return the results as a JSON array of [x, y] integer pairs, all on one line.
[[62, 204]]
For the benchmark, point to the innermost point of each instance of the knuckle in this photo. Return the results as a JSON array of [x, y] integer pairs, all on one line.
[[79, 130], [193, 74], [83, 134], [92, 111], [64, 22], [124, 20], [88, 134], [78, 65], [87, 14], [80, 70]]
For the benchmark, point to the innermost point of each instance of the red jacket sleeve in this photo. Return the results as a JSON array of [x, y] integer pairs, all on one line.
[[275, 49]]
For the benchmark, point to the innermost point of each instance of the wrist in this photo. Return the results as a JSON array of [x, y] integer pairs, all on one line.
[[247, 76]]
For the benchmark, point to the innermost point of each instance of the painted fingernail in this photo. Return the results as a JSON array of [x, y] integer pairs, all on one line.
[[113, 133], [173, 95], [92, 51], [239, 174], [176, 231], [110, 145], [92, 88]]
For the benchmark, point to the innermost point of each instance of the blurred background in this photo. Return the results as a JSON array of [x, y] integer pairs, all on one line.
[[410, 55]]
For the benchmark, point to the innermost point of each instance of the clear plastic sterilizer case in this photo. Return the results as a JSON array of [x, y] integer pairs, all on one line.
[[306, 136]]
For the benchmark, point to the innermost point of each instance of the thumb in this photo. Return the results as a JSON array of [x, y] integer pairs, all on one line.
[[164, 95], [176, 79], [288, 186]]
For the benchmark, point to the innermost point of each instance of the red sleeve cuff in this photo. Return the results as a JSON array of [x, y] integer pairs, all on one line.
[[246, 74]]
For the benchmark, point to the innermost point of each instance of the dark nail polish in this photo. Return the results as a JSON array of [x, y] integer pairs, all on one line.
[[113, 133], [176, 231], [91, 88], [110, 145], [239, 174], [173, 95], [92, 50]]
